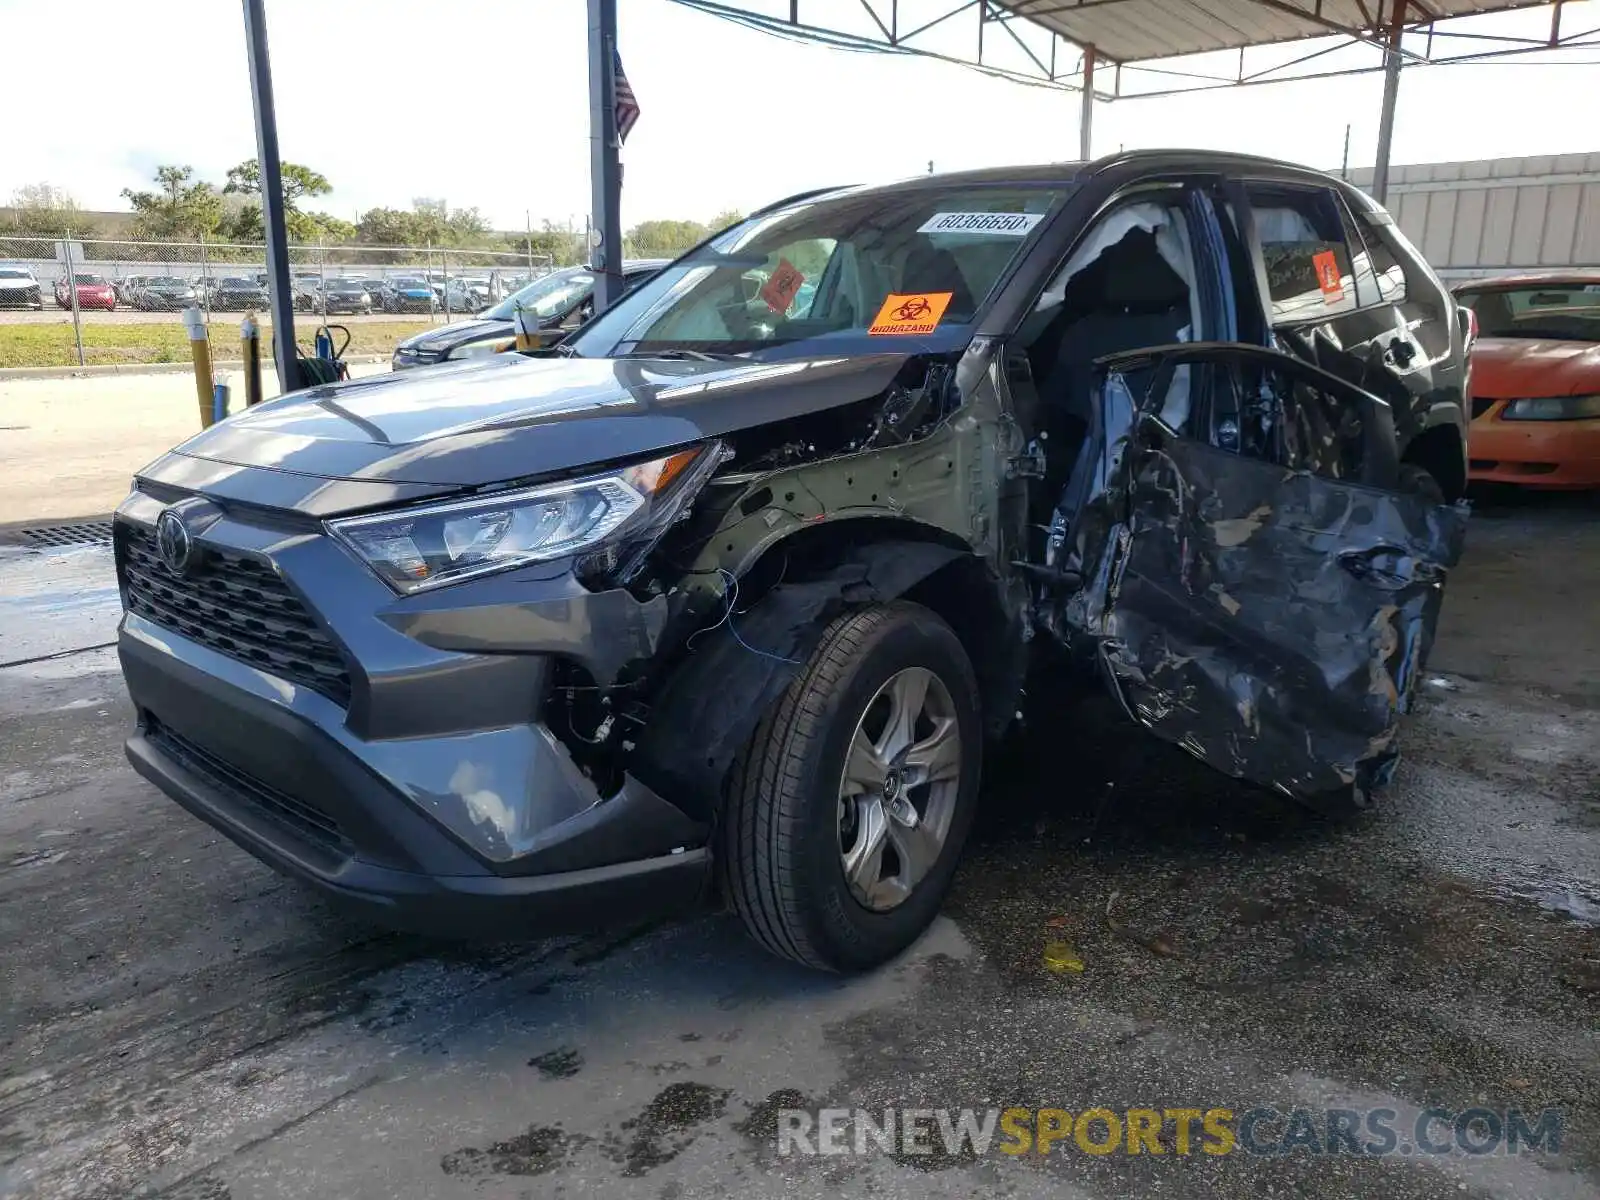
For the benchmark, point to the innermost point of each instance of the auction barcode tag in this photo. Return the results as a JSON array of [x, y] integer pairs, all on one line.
[[999, 224]]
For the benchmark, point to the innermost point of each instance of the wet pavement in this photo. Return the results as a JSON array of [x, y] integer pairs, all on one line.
[[177, 1021]]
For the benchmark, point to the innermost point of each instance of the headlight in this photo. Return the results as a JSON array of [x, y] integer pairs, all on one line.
[[479, 349], [431, 545], [1552, 408]]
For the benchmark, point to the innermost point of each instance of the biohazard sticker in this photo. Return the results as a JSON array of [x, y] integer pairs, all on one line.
[[997, 224], [1327, 268], [916, 313], [780, 288]]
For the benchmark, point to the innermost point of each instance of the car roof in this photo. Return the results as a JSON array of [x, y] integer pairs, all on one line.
[[1072, 171], [1577, 275]]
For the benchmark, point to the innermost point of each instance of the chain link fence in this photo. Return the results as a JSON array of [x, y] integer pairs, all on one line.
[[100, 298]]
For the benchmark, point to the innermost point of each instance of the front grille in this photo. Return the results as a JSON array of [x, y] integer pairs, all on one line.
[[305, 820], [237, 605], [1481, 406]]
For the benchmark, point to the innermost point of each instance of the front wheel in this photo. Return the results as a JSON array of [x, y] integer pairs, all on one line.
[[848, 809]]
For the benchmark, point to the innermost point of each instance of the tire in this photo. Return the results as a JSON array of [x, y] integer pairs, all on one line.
[[784, 831], [1417, 481]]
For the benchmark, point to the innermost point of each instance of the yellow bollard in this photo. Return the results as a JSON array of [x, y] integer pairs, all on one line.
[[200, 348], [250, 343]]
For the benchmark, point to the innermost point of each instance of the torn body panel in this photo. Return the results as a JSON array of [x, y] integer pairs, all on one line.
[[792, 547], [1270, 621]]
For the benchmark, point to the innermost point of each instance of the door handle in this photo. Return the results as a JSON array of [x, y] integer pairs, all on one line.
[[1388, 568]]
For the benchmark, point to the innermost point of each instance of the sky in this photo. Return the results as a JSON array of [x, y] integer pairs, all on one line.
[[484, 103]]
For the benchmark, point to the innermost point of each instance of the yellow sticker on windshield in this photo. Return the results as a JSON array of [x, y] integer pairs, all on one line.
[[912, 314]]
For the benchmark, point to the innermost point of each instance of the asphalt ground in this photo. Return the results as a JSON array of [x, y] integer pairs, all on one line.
[[177, 1021]]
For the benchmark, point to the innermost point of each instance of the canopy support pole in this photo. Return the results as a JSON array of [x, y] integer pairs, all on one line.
[[1086, 116], [272, 224], [605, 167], [1391, 93]]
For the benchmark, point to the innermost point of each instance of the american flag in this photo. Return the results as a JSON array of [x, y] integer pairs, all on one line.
[[627, 106]]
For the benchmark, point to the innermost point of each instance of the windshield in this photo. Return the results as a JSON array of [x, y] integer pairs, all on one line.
[[547, 297], [88, 278], [167, 281], [238, 283], [1559, 311], [407, 283], [13, 273], [913, 266], [345, 285]]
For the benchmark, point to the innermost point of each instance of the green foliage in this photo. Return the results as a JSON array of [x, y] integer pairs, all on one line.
[[722, 220], [180, 208], [663, 239], [43, 210]]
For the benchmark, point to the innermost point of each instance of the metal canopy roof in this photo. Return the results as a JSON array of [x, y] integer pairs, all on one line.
[[1130, 31], [1044, 43]]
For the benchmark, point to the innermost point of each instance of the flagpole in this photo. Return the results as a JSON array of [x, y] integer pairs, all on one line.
[[605, 167]]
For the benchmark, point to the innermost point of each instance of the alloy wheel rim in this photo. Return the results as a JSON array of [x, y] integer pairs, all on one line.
[[897, 792]]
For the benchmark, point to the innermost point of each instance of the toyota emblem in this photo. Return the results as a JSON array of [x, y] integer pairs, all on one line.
[[172, 541]]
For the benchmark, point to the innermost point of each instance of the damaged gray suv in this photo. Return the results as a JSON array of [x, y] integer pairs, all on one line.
[[726, 596]]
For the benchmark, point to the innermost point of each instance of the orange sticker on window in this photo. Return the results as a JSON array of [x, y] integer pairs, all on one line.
[[781, 286], [1327, 267], [916, 313]]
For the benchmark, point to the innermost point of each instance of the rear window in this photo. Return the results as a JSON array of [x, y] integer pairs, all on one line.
[[1303, 246]]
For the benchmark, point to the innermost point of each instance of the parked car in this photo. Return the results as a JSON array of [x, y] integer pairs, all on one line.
[[127, 289], [238, 292], [407, 294], [306, 289], [466, 295], [94, 291], [724, 597], [346, 296], [560, 302], [19, 287], [1536, 379], [164, 293]]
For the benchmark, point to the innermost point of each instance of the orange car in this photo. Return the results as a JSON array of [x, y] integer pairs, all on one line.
[[1535, 379]]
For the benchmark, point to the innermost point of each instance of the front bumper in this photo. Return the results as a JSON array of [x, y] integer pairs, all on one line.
[[1539, 454], [19, 297], [436, 799]]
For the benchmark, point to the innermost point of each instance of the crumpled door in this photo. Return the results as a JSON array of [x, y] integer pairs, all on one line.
[[1253, 586]]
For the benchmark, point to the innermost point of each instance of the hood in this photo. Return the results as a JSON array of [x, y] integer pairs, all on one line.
[[19, 283], [1506, 368], [507, 417], [460, 333]]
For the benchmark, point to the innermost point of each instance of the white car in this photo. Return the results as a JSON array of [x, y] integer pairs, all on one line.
[[19, 287]]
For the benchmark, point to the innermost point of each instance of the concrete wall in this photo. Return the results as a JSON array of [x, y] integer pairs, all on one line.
[[1502, 214]]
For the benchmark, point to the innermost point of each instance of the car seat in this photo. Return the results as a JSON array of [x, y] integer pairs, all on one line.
[[1141, 302], [932, 269]]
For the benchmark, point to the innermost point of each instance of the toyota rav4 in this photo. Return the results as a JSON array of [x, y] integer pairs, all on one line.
[[725, 596]]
